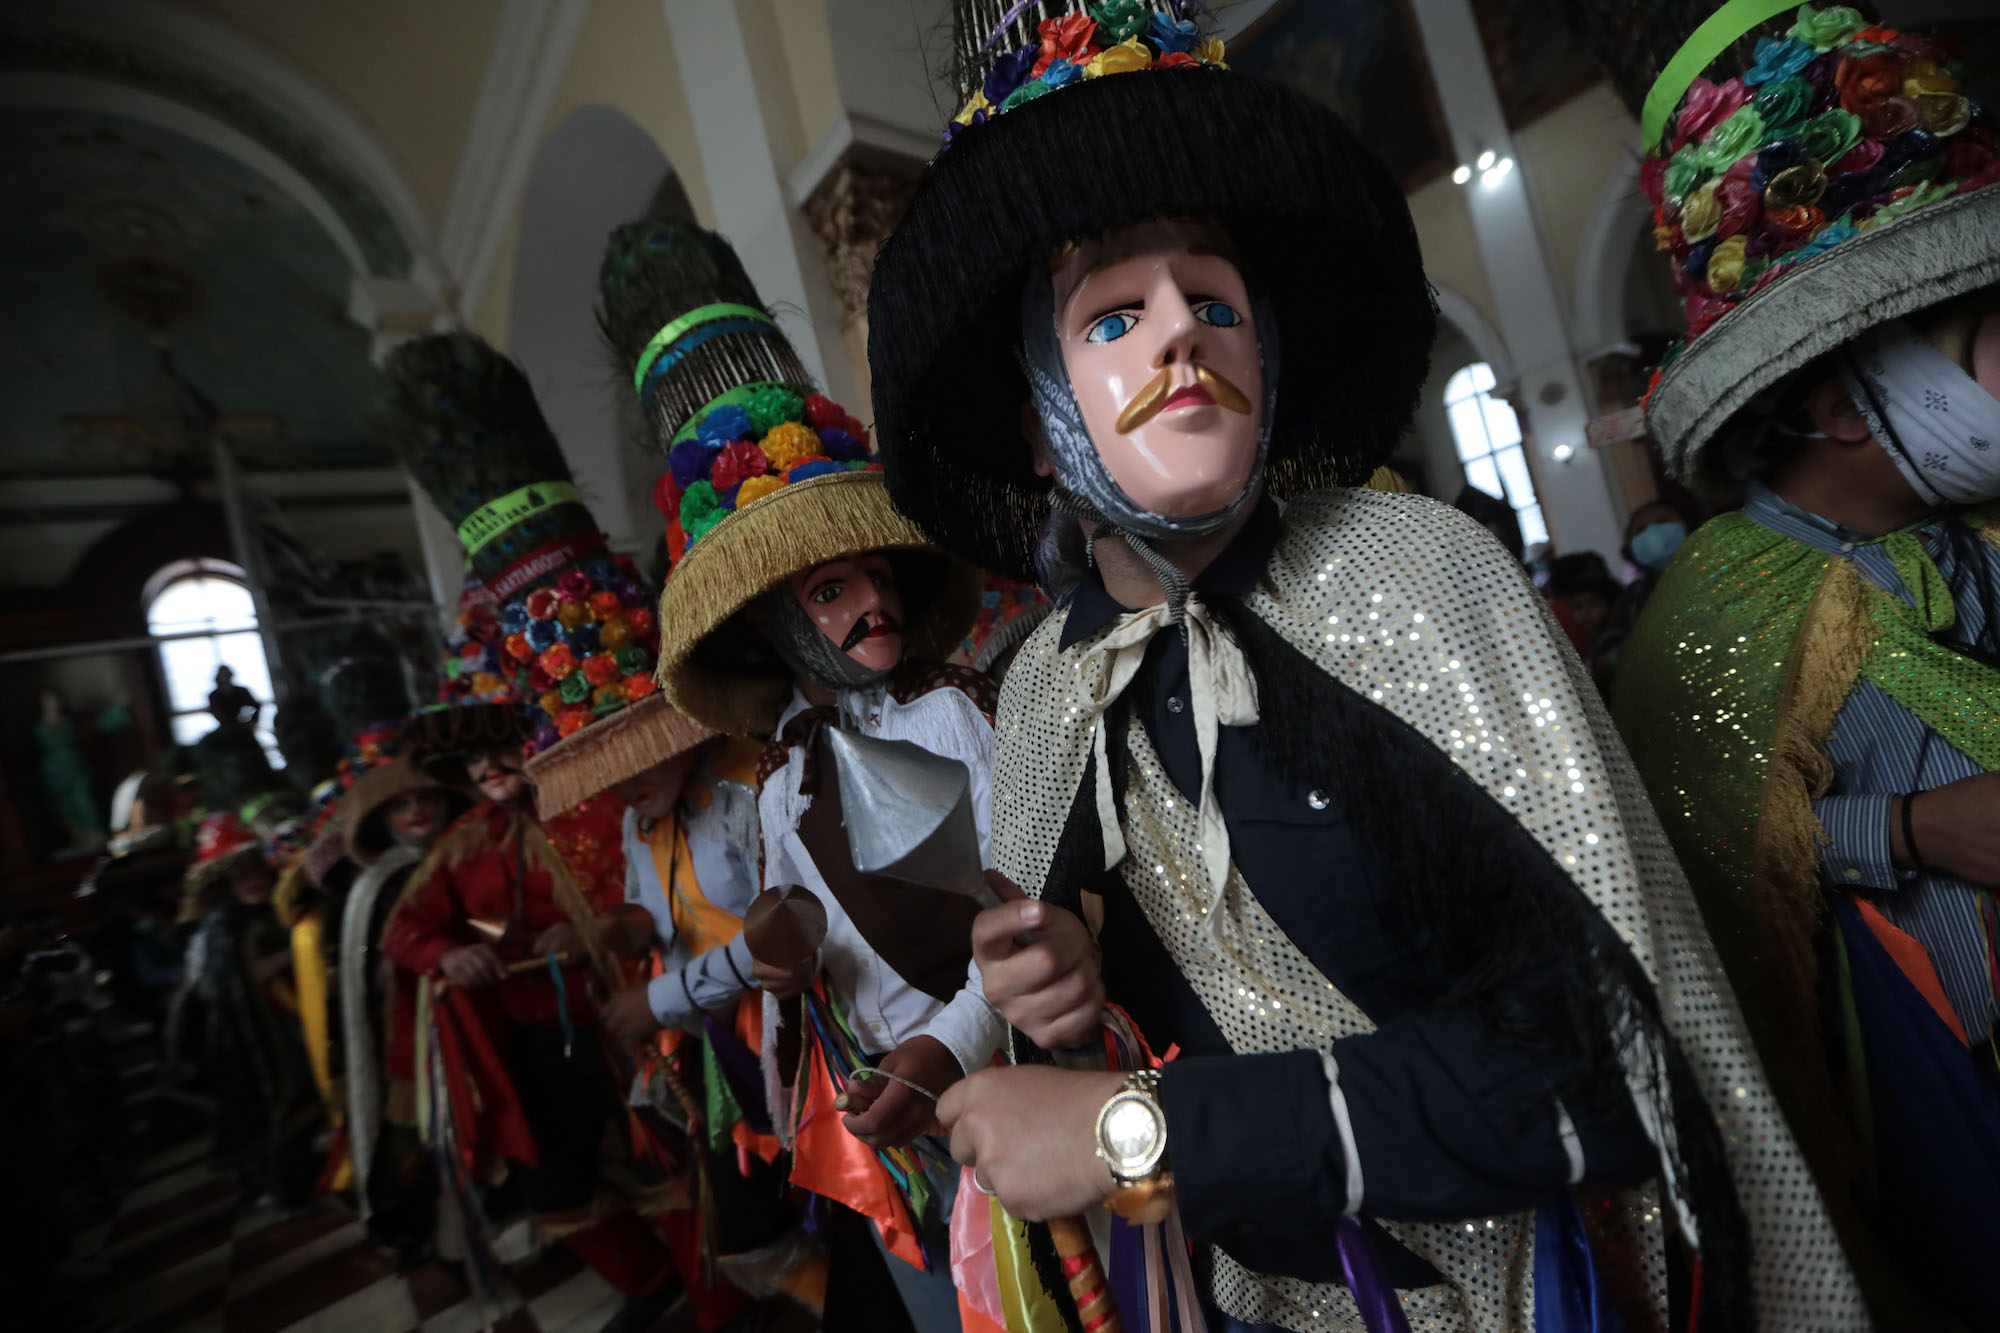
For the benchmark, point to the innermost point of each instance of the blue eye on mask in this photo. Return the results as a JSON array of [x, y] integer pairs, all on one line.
[[1655, 544]]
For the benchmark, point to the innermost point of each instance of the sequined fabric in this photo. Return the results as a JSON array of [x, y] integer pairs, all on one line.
[[1405, 601]]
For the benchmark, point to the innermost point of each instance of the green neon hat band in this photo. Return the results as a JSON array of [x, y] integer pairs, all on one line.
[[491, 519], [699, 315], [1697, 53], [740, 394]]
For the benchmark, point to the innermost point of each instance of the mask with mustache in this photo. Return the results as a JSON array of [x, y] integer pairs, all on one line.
[[1080, 469], [808, 651]]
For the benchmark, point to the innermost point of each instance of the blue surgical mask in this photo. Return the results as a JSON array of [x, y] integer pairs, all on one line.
[[1656, 543]]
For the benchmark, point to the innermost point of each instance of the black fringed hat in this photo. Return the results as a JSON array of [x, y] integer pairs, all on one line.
[[766, 477], [1081, 119], [1812, 172]]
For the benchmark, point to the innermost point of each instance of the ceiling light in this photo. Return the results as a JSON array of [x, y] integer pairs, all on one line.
[[1462, 175], [1562, 452], [1485, 160]]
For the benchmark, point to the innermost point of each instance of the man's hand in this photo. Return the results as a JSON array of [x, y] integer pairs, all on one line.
[[782, 983], [1029, 1133], [628, 930], [884, 1113], [472, 965], [628, 1015], [1958, 829], [1039, 965], [561, 938]]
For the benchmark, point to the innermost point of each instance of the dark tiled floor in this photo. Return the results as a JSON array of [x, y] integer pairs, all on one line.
[[312, 1288]]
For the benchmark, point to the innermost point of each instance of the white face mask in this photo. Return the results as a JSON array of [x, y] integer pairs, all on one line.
[[1938, 424]]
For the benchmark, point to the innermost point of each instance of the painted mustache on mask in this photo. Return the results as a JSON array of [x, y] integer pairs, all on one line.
[[1146, 404], [866, 625]]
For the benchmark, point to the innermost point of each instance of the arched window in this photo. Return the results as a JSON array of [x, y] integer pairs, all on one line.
[[1488, 436], [203, 611]]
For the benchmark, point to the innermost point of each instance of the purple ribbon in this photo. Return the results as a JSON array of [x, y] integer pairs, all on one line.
[[1001, 26], [1381, 1311]]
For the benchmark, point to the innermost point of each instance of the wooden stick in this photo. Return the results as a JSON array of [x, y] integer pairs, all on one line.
[[518, 966], [1087, 1283]]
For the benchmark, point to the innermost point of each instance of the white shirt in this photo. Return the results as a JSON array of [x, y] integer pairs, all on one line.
[[722, 844], [884, 1008]]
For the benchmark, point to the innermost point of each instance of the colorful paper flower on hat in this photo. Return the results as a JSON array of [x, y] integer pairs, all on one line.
[[1708, 105], [1836, 129], [1120, 20], [1827, 28], [1112, 37], [1067, 39], [781, 438], [1778, 59]]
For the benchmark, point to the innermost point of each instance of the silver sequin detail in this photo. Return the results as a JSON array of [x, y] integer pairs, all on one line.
[[1407, 602]]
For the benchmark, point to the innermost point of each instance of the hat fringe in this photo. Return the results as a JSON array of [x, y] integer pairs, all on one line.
[[609, 751]]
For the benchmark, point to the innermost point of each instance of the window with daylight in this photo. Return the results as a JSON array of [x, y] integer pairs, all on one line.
[[203, 612], [1488, 436]]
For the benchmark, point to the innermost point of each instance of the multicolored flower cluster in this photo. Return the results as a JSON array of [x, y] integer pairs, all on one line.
[[744, 451], [475, 668], [1114, 37], [582, 649], [1836, 129]]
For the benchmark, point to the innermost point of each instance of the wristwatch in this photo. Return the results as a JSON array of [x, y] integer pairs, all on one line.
[[1132, 1129]]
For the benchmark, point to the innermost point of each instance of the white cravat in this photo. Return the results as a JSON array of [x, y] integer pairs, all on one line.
[[1224, 694]]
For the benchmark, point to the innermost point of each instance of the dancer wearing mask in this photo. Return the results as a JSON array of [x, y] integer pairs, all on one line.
[[1363, 845], [390, 817], [800, 602], [1813, 689], [507, 921]]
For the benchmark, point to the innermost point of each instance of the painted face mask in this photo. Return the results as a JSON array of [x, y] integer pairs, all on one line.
[[1655, 544], [1154, 374], [840, 623]]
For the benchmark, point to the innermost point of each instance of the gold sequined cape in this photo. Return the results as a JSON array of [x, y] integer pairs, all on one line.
[[1417, 609]]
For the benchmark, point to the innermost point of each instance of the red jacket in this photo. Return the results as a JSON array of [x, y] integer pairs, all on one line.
[[472, 872]]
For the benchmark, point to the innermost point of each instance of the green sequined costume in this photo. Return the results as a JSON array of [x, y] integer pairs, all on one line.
[[1732, 681]]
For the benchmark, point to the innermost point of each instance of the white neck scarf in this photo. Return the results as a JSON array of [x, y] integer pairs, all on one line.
[[1224, 694], [1941, 428]]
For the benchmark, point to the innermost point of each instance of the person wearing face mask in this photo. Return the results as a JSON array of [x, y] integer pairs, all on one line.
[[800, 601], [1653, 533], [389, 818], [240, 965], [1812, 689], [1299, 776], [510, 921]]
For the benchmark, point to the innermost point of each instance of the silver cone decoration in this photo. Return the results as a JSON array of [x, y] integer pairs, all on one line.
[[908, 814]]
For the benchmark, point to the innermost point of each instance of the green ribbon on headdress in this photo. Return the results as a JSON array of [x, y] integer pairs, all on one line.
[[494, 517], [665, 338], [1697, 53]]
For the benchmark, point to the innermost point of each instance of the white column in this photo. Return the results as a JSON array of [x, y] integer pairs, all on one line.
[[746, 187], [1575, 489]]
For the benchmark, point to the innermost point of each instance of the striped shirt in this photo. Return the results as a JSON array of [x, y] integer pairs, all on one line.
[[1880, 750]]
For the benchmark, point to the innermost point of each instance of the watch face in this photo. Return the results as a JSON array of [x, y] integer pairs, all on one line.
[[1133, 1135]]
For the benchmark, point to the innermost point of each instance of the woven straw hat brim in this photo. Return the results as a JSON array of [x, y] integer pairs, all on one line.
[[610, 750], [1928, 256], [796, 527], [1321, 222], [366, 798]]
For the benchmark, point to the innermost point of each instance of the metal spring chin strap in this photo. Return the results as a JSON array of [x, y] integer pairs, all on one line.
[[1172, 582]]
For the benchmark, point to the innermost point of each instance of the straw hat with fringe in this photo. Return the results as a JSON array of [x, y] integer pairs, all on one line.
[[555, 642], [1813, 174], [765, 476]]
